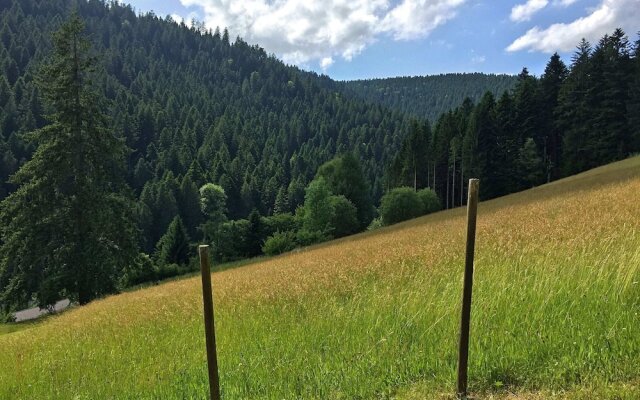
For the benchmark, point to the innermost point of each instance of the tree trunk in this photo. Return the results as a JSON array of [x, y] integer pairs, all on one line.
[[447, 203], [453, 184]]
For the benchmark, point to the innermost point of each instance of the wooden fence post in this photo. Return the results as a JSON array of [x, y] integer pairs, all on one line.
[[463, 354], [209, 323]]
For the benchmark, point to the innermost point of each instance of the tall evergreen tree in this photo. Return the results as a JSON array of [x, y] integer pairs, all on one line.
[[633, 108], [574, 112], [67, 230], [173, 247], [548, 90], [609, 92]]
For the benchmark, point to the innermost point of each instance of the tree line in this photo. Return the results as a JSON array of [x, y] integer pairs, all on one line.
[[570, 119], [427, 97]]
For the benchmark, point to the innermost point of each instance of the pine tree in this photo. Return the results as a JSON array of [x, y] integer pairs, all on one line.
[[633, 108], [173, 247], [574, 112], [608, 138], [550, 83], [189, 206], [67, 230], [530, 163]]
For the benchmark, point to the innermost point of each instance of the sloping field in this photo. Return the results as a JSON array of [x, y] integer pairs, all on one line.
[[374, 316]]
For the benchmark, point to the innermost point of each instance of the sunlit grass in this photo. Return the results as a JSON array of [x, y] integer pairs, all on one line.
[[555, 313]]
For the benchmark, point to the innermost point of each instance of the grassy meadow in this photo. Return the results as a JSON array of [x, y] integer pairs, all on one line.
[[375, 316]]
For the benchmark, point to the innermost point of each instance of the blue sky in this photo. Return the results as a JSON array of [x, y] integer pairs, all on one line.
[[353, 39]]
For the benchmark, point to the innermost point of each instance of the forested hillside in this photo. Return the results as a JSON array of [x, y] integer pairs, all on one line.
[[217, 142], [193, 103], [427, 97], [571, 119]]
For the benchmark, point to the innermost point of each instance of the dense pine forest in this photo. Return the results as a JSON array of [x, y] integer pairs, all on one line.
[[427, 97], [571, 119], [219, 142]]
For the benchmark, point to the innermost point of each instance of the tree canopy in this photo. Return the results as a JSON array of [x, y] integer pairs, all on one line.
[[68, 229]]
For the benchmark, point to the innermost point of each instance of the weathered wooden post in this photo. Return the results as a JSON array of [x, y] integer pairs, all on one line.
[[463, 354], [209, 323]]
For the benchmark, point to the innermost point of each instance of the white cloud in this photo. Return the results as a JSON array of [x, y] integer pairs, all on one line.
[[301, 31], [524, 12], [607, 16], [564, 3], [417, 18], [177, 18], [326, 62]]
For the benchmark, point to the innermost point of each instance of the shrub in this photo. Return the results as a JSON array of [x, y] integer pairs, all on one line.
[[307, 238], [375, 224], [279, 242], [231, 240], [168, 271], [317, 207], [141, 271], [280, 223], [7, 317], [344, 219], [400, 204], [430, 200]]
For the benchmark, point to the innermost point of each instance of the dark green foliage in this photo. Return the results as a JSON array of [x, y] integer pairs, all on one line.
[[232, 241], [256, 234], [189, 205], [192, 103], [318, 210], [279, 222], [344, 176], [173, 246], [565, 122], [633, 107], [67, 230], [400, 204], [430, 201], [279, 242], [551, 82], [427, 97], [531, 164], [213, 204], [594, 102], [573, 112], [411, 165], [610, 78], [344, 219], [308, 238], [141, 271]]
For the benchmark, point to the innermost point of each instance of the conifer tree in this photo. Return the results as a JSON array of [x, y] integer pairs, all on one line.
[[633, 108], [548, 90], [173, 247], [573, 112], [67, 230]]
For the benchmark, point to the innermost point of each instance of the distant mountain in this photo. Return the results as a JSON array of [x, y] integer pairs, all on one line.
[[429, 96]]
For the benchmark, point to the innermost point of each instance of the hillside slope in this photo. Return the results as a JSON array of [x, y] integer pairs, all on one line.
[[555, 314], [428, 97], [192, 101]]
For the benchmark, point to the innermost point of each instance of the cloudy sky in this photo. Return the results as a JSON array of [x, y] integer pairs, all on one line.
[[351, 39]]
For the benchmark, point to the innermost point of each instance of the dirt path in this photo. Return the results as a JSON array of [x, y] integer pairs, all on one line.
[[33, 313]]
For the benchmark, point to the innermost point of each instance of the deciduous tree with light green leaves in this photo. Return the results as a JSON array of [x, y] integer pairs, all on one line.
[[68, 231]]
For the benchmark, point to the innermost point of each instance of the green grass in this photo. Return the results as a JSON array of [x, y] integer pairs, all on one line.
[[8, 328], [375, 316]]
